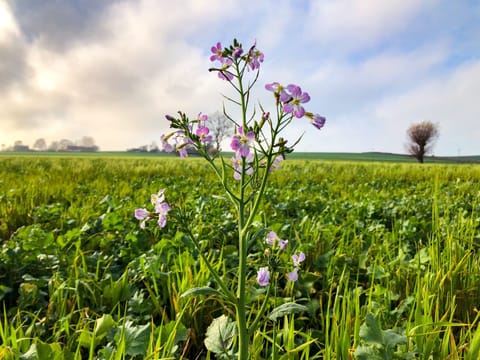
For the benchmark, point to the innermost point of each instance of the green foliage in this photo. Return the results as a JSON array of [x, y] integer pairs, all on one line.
[[219, 337], [80, 279]]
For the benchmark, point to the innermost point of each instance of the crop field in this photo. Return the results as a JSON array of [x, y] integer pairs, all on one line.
[[392, 268]]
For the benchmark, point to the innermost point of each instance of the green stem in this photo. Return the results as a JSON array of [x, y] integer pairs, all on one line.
[[243, 338], [214, 273], [254, 324]]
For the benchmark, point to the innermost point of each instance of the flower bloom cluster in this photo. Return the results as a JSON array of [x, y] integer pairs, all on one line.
[[273, 240], [181, 141], [161, 209], [243, 159], [292, 98], [226, 57]]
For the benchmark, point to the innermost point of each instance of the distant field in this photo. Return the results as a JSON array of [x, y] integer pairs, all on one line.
[[334, 156]]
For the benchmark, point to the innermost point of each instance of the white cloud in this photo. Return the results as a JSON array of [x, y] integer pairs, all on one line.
[[451, 101], [353, 24], [138, 60]]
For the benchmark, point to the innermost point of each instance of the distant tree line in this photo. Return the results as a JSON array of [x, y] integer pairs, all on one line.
[[85, 144], [220, 128]]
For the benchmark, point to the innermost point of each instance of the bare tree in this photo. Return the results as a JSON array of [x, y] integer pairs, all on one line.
[[220, 127], [421, 137], [54, 145], [40, 144], [64, 144], [87, 141]]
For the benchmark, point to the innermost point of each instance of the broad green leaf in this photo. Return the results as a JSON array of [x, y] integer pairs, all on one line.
[[367, 353], [104, 324], [220, 335], [370, 331], [392, 339], [136, 338], [49, 351], [286, 309]]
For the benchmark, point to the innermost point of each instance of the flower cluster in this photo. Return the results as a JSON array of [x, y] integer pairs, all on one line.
[[161, 209], [273, 240], [190, 133], [292, 99], [242, 165], [228, 56]]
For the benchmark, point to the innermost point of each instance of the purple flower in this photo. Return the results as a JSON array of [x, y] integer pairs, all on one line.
[[202, 118], [241, 142], [223, 73], [237, 52], [273, 239], [297, 98], [276, 162], [279, 90], [263, 276], [202, 133], [316, 120], [169, 117], [297, 259], [217, 52], [158, 198], [161, 208], [255, 57], [164, 144], [181, 144], [141, 214], [237, 162], [293, 275]]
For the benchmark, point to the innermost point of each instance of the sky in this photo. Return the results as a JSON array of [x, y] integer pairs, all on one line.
[[112, 69]]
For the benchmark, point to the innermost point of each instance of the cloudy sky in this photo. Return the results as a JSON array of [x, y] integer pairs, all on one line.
[[112, 69]]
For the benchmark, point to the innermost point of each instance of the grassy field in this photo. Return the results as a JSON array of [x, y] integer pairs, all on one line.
[[392, 268], [334, 156]]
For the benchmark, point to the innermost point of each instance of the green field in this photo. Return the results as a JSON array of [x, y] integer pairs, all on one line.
[[335, 156], [392, 268]]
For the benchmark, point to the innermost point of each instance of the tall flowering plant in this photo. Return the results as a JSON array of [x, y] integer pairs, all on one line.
[[258, 149]]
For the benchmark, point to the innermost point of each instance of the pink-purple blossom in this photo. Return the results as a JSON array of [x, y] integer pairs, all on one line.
[[255, 57], [165, 145], [217, 52], [161, 208], [237, 52], [142, 214], [263, 276], [293, 275], [298, 259], [279, 90], [276, 162], [181, 142], [294, 105], [237, 163], [202, 118], [317, 120], [202, 133], [217, 55], [273, 240], [241, 142]]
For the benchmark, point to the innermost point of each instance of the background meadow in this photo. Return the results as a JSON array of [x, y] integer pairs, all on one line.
[[392, 269]]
